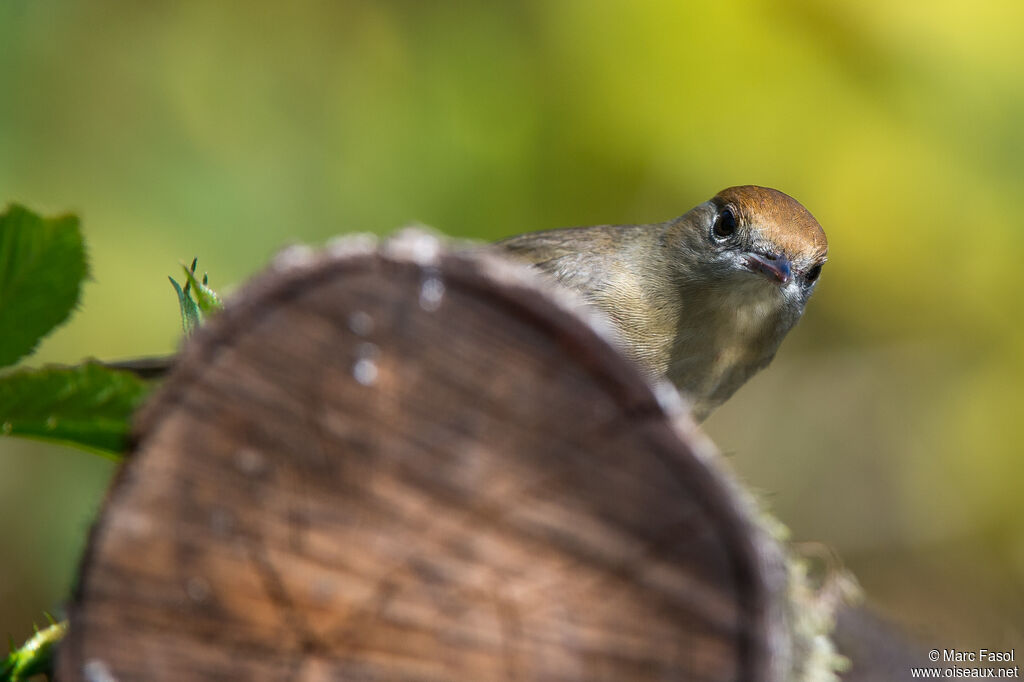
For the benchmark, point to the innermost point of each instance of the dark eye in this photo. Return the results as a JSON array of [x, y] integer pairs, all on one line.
[[725, 224], [813, 273]]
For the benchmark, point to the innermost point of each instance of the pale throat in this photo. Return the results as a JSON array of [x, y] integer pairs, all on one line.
[[725, 336]]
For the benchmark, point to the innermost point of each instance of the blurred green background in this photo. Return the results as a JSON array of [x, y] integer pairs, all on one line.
[[891, 425]]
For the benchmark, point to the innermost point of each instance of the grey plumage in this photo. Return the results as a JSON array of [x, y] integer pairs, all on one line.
[[684, 304]]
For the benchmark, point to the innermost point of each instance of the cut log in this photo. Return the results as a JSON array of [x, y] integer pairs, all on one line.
[[397, 464]]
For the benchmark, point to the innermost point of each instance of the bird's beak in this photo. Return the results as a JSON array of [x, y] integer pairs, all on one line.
[[772, 266]]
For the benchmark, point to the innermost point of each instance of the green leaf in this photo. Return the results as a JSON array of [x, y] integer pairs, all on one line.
[[189, 309], [35, 656], [206, 298], [42, 265], [88, 406], [196, 299]]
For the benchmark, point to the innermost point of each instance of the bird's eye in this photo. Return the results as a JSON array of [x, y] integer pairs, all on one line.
[[725, 224], [813, 273]]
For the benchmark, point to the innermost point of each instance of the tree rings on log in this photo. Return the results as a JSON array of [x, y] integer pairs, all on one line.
[[396, 463]]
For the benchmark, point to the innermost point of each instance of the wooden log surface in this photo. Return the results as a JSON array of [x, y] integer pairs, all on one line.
[[401, 464]]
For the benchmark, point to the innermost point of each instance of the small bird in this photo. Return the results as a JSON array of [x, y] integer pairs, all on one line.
[[703, 300]]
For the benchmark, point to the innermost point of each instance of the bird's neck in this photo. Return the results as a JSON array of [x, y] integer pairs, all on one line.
[[724, 335]]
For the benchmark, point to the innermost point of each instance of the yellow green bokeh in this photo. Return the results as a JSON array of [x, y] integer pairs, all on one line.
[[891, 425]]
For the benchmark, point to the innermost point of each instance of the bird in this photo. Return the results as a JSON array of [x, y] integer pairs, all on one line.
[[703, 300]]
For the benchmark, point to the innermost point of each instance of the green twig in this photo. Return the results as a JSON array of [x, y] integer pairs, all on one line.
[[36, 655]]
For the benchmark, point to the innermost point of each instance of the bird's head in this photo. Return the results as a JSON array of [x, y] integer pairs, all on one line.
[[751, 244]]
